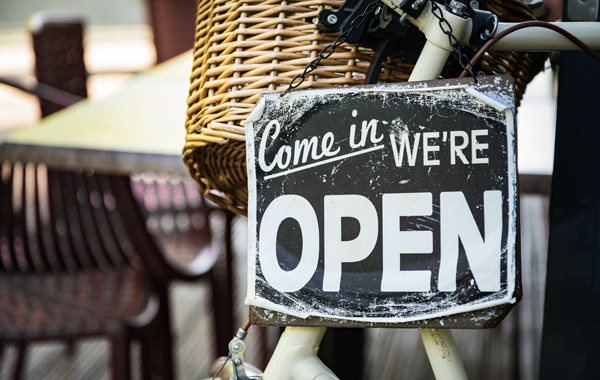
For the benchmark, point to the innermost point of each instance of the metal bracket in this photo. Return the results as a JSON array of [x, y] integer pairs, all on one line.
[[236, 349], [385, 31], [483, 23], [389, 35], [342, 19], [484, 27]]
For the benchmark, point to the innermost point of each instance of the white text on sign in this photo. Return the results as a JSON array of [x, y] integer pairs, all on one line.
[[457, 226], [408, 148], [429, 148]]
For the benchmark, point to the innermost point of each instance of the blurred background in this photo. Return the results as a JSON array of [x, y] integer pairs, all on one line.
[[119, 41], [126, 36]]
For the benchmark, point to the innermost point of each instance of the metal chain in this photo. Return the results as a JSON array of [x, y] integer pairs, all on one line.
[[330, 49], [463, 59]]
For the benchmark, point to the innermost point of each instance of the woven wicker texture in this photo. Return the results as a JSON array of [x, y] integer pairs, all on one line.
[[244, 48]]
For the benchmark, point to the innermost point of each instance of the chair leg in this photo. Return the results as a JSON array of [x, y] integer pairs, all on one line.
[[222, 285], [146, 357], [163, 345], [120, 354], [165, 350], [18, 368], [1, 355], [70, 342], [156, 340]]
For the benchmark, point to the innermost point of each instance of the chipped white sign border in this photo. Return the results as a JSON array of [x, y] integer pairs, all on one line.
[[486, 94]]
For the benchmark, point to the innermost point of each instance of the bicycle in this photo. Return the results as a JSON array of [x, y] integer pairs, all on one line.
[[295, 355]]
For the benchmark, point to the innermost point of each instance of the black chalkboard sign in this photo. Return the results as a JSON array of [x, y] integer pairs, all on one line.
[[393, 203]]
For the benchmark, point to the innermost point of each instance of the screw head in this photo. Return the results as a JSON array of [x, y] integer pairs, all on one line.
[[236, 347], [486, 35], [332, 19], [458, 8]]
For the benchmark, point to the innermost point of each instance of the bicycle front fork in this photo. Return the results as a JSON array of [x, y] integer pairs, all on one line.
[[295, 357]]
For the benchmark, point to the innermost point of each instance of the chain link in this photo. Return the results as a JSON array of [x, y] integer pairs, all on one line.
[[330, 49], [463, 59]]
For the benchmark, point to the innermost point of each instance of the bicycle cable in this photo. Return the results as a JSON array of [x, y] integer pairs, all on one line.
[[221, 368], [528, 24], [245, 328]]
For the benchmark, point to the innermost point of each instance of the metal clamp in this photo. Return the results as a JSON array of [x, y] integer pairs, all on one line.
[[485, 25], [236, 350]]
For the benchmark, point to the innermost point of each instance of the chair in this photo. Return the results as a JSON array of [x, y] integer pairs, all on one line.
[[92, 254], [174, 24], [182, 222], [76, 260]]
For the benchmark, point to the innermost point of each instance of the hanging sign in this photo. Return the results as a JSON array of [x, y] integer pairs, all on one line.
[[389, 203]]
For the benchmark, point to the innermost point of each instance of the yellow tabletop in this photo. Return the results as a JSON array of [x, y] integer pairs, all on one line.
[[140, 128]]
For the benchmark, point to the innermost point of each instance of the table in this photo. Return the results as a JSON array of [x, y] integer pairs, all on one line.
[[140, 128]]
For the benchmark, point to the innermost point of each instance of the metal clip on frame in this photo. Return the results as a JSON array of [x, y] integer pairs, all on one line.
[[388, 33], [237, 346], [384, 30]]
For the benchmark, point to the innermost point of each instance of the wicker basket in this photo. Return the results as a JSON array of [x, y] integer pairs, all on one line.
[[243, 48]]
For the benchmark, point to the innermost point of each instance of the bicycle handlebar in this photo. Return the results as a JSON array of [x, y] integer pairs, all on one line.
[[536, 38]]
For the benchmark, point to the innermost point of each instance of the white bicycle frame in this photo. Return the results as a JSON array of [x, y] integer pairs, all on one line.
[[295, 357]]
